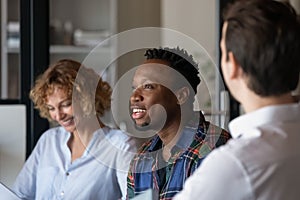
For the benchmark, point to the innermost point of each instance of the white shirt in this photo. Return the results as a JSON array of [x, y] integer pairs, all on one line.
[[262, 161], [100, 173]]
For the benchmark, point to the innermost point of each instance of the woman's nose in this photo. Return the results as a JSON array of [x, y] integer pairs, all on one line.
[[59, 114]]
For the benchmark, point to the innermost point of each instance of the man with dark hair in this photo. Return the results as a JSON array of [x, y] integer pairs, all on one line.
[[260, 63], [164, 87]]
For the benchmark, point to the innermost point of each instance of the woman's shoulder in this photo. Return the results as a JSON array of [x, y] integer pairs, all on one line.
[[115, 134], [50, 138], [118, 137], [54, 133]]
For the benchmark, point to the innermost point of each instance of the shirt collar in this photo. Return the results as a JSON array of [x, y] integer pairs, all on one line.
[[275, 113], [156, 144], [186, 137]]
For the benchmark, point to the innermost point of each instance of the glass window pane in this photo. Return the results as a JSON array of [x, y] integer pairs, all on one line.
[[10, 43]]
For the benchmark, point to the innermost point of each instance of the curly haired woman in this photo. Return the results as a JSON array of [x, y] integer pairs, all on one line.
[[82, 158]]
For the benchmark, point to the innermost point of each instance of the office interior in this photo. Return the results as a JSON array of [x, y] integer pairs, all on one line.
[[109, 36]]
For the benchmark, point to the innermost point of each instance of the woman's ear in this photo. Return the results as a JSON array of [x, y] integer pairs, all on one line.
[[182, 95]]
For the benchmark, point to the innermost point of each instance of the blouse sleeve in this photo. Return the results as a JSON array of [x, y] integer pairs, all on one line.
[[25, 183], [126, 151]]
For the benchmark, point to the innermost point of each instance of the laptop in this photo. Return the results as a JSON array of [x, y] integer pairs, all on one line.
[[7, 194]]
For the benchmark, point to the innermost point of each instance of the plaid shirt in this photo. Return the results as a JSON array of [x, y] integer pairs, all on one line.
[[149, 170]]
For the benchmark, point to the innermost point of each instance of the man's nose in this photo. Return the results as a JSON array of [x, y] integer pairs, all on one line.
[[136, 95]]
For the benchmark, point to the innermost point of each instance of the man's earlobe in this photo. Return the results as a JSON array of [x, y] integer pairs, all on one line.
[[182, 95]]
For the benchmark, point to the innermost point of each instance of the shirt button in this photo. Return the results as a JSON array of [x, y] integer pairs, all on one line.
[[67, 174], [62, 193]]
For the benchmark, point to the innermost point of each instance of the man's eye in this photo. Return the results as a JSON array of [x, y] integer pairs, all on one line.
[[148, 86]]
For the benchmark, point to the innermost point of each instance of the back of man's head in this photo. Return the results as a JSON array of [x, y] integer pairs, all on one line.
[[264, 36]]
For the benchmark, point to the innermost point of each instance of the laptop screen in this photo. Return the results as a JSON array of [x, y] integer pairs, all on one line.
[[7, 194]]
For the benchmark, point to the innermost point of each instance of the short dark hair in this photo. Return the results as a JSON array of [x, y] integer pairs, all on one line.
[[264, 36], [179, 60]]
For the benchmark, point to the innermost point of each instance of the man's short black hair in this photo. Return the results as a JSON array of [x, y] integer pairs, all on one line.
[[264, 37], [179, 60]]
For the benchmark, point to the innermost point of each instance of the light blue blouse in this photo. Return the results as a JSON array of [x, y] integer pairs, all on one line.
[[99, 174]]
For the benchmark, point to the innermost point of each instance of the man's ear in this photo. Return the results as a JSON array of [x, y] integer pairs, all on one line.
[[234, 66], [182, 95]]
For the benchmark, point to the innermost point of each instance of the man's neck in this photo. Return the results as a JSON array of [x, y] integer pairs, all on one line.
[[255, 102], [169, 135]]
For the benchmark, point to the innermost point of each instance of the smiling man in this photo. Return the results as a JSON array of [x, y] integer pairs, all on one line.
[[164, 87]]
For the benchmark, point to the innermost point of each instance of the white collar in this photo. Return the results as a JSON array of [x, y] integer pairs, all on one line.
[[274, 113]]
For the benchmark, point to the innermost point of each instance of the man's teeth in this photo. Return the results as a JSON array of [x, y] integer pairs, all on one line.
[[137, 110]]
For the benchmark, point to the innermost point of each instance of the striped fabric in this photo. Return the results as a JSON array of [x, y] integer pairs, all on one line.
[[149, 170]]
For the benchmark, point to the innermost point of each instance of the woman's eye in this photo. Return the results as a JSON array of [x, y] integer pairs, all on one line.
[[67, 104], [50, 108]]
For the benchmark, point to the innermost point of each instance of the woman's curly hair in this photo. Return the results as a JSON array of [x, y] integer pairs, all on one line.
[[81, 84]]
